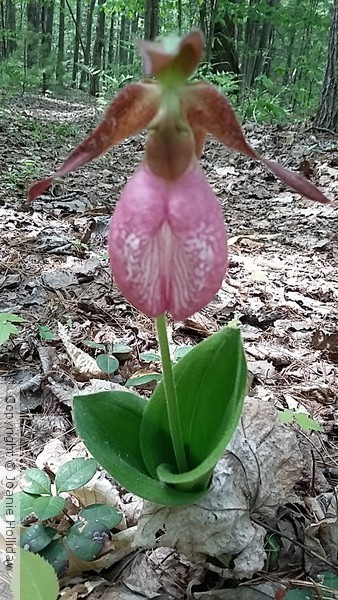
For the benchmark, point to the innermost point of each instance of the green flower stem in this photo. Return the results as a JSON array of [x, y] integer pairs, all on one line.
[[171, 396]]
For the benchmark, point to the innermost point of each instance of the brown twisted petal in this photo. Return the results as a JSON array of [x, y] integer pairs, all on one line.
[[131, 111], [205, 107]]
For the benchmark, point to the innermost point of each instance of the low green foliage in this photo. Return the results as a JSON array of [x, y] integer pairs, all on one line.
[[8, 327], [108, 361], [302, 419], [41, 501]]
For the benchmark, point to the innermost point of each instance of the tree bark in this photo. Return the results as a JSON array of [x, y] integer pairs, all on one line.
[[86, 57], [61, 45], [110, 57], [123, 41], [224, 55], [11, 27], [265, 38], [327, 115], [179, 16], [97, 50], [3, 45], [151, 25], [76, 41], [33, 29], [47, 18]]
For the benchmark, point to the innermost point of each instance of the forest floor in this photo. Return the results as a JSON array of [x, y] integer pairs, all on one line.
[[282, 285]]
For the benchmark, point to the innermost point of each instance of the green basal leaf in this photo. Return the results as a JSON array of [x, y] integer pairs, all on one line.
[[210, 383], [74, 474], [35, 481], [102, 513], [108, 364], [86, 540], [109, 424], [47, 507], [57, 555], [36, 537], [33, 578]]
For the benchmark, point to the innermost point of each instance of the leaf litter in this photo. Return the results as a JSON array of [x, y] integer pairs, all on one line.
[[282, 287]]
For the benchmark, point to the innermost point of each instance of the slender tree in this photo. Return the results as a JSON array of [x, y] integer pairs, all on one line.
[[33, 30], [3, 49], [89, 27], [151, 24], [327, 115], [47, 18], [76, 41], [61, 44], [98, 50], [11, 26]]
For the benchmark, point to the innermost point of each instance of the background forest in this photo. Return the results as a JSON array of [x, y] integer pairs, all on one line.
[[269, 56]]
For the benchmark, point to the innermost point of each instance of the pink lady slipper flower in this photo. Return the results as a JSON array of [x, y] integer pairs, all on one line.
[[167, 241]]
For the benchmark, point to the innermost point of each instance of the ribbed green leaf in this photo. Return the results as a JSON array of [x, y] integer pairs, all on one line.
[[109, 424], [210, 382]]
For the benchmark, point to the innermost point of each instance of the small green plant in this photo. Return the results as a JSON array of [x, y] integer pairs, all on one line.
[[8, 327], [108, 360], [40, 507], [46, 333], [302, 419]]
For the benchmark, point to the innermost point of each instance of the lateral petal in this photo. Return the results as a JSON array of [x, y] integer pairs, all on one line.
[[131, 111], [167, 243], [209, 109]]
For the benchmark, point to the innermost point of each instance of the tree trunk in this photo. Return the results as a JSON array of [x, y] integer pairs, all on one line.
[[89, 27], [47, 17], [33, 29], [3, 51], [133, 32], [11, 27], [265, 38], [61, 44], [76, 41], [179, 16], [97, 50], [123, 42], [224, 55], [327, 115], [110, 58], [151, 25], [209, 28]]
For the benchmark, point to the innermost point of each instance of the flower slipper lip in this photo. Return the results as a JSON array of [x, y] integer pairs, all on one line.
[[167, 243]]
